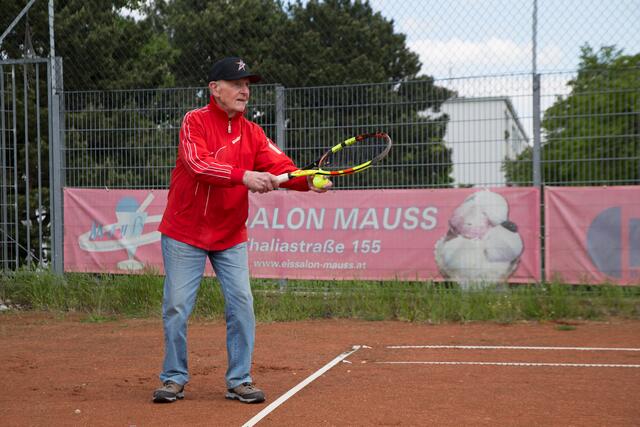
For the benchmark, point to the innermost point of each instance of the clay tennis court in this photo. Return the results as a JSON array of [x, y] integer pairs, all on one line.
[[63, 371]]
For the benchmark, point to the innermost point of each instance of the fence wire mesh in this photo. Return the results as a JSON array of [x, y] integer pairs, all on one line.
[[590, 136], [474, 93], [146, 44]]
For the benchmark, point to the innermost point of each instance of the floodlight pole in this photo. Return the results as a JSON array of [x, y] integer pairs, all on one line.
[[537, 175], [537, 143]]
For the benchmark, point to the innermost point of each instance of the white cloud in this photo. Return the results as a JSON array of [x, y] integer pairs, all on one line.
[[458, 57]]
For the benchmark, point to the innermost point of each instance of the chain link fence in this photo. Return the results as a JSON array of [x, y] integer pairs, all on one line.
[[474, 93], [133, 45], [462, 38], [128, 139]]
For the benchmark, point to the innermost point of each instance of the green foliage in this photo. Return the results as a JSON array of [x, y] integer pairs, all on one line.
[[106, 50], [203, 31], [328, 42], [359, 46], [591, 136], [101, 47], [320, 117], [139, 148], [344, 41], [173, 43]]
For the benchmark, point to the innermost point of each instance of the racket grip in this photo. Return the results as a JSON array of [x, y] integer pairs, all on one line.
[[283, 177]]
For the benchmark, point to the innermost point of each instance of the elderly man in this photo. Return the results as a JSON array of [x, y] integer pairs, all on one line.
[[221, 156]]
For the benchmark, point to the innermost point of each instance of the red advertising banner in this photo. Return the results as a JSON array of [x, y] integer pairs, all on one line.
[[462, 234], [396, 234], [592, 234], [112, 231]]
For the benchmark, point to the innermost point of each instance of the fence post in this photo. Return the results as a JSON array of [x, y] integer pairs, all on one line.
[[281, 141], [536, 96], [280, 121], [537, 167], [56, 177], [4, 218]]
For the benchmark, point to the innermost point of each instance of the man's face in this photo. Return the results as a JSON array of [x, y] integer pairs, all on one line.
[[231, 95]]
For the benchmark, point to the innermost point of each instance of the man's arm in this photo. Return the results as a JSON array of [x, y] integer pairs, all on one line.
[[271, 158]]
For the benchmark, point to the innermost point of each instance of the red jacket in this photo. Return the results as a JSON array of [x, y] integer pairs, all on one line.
[[208, 205]]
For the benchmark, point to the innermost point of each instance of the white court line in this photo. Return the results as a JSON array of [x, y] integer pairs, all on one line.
[[266, 411], [572, 365], [508, 347]]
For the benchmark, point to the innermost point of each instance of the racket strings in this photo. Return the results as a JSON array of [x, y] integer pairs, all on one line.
[[368, 149]]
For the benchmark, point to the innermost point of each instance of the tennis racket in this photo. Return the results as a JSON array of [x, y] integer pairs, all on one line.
[[353, 155]]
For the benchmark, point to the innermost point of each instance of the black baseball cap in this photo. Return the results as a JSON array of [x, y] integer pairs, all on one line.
[[232, 68]]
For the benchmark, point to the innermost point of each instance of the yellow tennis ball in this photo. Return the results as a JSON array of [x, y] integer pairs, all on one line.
[[319, 181]]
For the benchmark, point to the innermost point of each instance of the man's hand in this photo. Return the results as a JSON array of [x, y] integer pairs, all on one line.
[[259, 182], [326, 183]]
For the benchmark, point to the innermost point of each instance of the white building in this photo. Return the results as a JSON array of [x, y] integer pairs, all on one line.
[[482, 132]]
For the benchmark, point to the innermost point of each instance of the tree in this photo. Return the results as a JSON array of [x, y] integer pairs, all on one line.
[[592, 136], [173, 43], [100, 46], [108, 50], [202, 31], [307, 44], [317, 45], [342, 42]]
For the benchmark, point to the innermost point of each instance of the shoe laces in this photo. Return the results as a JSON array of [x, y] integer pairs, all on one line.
[[170, 383], [249, 386]]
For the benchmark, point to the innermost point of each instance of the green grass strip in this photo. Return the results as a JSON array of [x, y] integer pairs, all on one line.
[[103, 296]]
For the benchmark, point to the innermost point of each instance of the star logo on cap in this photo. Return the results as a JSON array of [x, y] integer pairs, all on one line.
[[241, 65]]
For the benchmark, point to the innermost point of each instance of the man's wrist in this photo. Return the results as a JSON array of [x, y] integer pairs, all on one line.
[[237, 175]]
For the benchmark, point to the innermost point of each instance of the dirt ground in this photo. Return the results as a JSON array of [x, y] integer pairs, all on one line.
[[62, 371]]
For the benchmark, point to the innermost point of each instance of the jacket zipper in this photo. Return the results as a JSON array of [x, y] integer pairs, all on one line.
[[229, 127]]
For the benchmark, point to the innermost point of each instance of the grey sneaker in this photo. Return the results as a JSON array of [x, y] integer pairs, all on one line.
[[169, 392], [246, 392]]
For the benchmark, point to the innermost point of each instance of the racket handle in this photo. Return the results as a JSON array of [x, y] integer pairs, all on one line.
[[284, 177]]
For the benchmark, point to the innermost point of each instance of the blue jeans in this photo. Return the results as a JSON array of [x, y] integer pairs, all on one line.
[[184, 267]]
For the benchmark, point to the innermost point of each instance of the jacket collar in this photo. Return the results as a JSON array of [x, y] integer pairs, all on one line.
[[220, 113]]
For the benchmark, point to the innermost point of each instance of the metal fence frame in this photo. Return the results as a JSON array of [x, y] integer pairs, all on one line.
[[276, 108], [88, 131], [16, 249], [128, 125]]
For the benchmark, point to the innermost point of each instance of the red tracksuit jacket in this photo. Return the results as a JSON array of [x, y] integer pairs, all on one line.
[[208, 205]]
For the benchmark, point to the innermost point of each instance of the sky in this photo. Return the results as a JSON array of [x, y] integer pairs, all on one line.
[[484, 47], [478, 37]]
